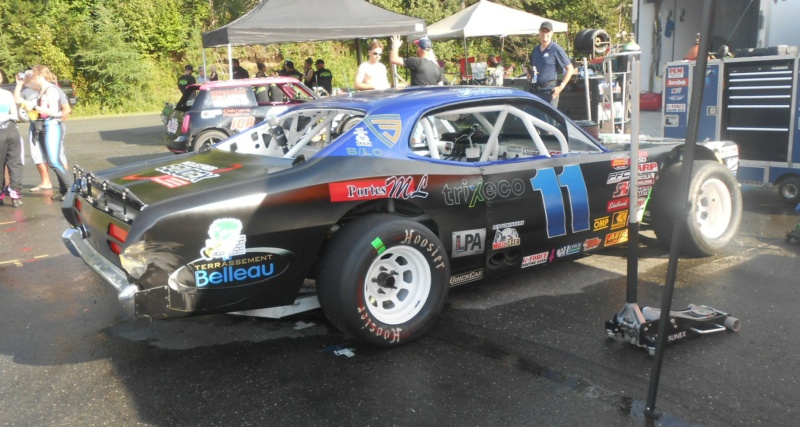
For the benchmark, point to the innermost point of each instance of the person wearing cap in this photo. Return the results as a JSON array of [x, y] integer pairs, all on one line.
[[308, 72], [372, 73], [323, 77], [545, 58], [289, 71], [423, 67], [186, 79], [238, 71]]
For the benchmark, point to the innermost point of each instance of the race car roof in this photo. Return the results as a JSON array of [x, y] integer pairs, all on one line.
[[394, 101]]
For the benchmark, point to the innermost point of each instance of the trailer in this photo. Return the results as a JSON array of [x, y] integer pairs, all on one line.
[[751, 101]]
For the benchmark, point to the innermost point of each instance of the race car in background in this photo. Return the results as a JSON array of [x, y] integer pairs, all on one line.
[[210, 112], [374, 204]]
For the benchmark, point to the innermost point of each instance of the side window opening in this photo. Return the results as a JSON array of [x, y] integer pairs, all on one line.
[[499, 132]]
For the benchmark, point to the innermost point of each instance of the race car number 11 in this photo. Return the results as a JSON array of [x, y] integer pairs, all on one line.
[[549, 184]]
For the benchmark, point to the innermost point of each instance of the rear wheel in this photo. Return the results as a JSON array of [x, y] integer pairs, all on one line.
[[789, 190], [383, 279], [715, 208], [207, 139]]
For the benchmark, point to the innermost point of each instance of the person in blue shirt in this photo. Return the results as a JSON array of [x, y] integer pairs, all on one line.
[[545, 58]]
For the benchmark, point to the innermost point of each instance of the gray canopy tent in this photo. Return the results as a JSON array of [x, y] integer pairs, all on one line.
[[280, 21]]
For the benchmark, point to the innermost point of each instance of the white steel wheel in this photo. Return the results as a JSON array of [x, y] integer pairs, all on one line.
[[397, 285], [713, 208]]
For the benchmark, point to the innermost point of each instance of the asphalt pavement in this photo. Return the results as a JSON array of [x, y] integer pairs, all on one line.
[[526, 350]]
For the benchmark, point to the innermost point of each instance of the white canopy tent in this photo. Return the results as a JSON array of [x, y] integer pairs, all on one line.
[[489, 19]]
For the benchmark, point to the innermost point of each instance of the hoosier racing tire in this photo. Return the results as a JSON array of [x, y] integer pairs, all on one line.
[[383, 279], [715, 208]]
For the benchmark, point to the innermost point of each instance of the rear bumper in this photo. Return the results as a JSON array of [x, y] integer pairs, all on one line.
[[179, 144], [110, 273]]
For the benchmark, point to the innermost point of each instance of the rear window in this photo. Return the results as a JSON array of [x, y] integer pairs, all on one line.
[[229, 97]]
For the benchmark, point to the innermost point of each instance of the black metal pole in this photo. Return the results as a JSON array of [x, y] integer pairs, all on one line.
[[698, 82]]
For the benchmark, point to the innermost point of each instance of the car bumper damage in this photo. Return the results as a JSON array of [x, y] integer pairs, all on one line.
[[116, 278]]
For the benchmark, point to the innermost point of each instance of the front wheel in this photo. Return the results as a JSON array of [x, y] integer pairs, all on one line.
[[715, 207], [383, 279], [789, 190]]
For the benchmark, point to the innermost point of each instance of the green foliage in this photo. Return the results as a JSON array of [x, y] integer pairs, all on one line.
[[125, 56]]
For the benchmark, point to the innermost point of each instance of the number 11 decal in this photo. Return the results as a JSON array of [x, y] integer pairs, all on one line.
[[549, 184]]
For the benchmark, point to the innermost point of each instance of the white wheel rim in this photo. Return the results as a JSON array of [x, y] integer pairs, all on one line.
[[790, 191], [713, 208], [397, 285]]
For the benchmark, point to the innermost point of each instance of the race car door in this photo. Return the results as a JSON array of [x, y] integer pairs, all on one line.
[[543, 176]]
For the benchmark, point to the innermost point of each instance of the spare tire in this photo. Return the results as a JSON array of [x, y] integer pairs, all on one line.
[[592, 41]]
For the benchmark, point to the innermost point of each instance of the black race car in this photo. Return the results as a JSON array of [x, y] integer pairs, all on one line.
[[209, 112], [373, 204]]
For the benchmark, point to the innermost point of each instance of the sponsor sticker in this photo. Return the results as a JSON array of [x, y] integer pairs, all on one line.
[[648, 167], [601, 223], [224, 239], [393, 187], [505, 238], [508, 225], [677, 82], [675, 72], [468, 242], [592, 243], [619, 220], [620, 161], [618, 204], [387, 127], [181, 174], [622, 190], [239, 124], [568, 250], [616, 237], [536, 259], [470, 92], [362, 138], [472, 194], [472, 276], [676, 108]]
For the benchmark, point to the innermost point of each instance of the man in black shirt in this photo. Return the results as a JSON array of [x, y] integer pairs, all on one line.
[[424, 68], [289, 71], [323, 77], [238, 71], [186, 79]]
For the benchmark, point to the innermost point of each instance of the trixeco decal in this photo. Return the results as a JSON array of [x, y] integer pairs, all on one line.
[[386, 127], [481, 192], [226, 262], [472, 276], [184, 173], [468, 242], [393, 187]]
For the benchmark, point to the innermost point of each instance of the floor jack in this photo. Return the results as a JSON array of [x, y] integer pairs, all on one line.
[[640, 327]]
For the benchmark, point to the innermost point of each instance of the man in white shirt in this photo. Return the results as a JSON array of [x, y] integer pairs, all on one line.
[[372, 74]]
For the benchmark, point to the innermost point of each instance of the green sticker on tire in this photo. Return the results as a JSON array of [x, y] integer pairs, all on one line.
[[378, 245]]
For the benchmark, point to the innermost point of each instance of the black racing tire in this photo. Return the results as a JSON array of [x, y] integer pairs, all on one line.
[[207, 139], [715, 208], [593, 41], [383, 279], [789, 190]]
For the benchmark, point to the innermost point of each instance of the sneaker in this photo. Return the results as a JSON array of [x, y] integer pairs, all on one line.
[[58, 197], [16, 203], [7, 189]]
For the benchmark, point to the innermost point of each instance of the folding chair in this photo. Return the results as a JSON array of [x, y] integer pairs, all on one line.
[[466, 77], [479, 72]]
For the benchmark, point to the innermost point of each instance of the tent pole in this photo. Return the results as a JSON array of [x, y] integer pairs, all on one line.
[[204, 60], [230, 63]]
